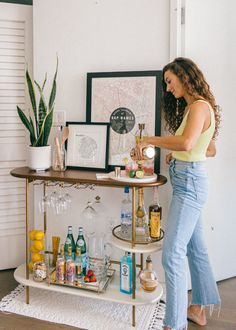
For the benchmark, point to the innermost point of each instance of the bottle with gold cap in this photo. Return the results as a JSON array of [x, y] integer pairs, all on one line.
[[148, 277]]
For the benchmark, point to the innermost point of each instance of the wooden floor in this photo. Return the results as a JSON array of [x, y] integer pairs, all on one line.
[[226, 320]]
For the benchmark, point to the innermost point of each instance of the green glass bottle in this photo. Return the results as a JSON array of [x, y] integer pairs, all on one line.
[[70, 236], [67, 248], [82, 245]]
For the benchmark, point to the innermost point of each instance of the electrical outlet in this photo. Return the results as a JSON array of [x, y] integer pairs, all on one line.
[[59, 118]]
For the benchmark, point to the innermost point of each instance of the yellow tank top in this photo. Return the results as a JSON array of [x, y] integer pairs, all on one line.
[[198, 152]]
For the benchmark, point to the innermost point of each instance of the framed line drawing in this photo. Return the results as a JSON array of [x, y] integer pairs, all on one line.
[[125, 99], [88, 146]]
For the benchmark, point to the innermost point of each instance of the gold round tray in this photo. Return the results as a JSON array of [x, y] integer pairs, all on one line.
[[116, 231]]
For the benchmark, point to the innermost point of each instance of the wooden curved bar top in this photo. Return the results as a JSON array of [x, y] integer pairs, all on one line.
[[80, 177]]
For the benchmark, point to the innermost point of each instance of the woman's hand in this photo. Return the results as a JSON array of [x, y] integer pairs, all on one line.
[[168, 158]]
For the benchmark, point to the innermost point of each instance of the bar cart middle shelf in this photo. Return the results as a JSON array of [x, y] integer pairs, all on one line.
[[112, 292]]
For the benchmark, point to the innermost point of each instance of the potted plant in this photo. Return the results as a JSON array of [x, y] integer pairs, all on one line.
[[39, 123]]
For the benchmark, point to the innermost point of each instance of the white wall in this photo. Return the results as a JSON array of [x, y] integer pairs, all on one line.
[[88, 36], [210, 41]]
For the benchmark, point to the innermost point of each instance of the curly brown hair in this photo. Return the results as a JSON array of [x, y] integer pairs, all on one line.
[[195, 85]]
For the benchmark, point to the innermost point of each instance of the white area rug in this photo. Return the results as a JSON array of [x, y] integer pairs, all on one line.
[[82, 312]]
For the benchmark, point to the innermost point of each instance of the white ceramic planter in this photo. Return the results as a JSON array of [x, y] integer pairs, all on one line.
[[39, 158]]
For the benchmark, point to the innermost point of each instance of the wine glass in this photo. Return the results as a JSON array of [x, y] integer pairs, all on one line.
[[98, 205], [44, 204]]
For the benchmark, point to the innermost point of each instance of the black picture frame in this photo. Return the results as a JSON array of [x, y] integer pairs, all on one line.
[[87, 146], [135, 93]]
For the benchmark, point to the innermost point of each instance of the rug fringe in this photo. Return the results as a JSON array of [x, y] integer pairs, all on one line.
[[7, 299]]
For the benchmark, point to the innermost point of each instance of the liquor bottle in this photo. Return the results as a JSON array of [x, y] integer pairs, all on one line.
[[70, 267], [155, 213], [142, 229], [140, 133], [78, 264], [126, 273], [148, 277], [70, 236], [67, 246], [126, 215], [82, 245]]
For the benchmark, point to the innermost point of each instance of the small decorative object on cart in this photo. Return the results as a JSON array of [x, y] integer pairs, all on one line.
[[148, 277], [39, 271]]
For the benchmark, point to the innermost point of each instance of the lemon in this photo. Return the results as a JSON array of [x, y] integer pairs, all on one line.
[[140, 174], [37, 257], [38, 245], [33, 249], [39, 235], [31, 234]]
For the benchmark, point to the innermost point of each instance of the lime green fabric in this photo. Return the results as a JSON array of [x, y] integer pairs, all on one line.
[[198, 152]]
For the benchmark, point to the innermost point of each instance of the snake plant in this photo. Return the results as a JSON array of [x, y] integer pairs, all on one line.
[[39, 123]]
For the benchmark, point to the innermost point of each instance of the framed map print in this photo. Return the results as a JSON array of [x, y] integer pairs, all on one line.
[[125, 99], [87, 146]]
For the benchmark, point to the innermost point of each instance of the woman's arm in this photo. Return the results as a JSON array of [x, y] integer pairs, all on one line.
[[211, 150], [197, 120]]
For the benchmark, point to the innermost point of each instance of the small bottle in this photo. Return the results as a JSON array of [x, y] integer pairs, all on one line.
[[78, 264], [82, 245], [155, 213], [70, 236], [140, 133], [142, 229], [126, 214], [70, 267], [126, 273], [148, 277]]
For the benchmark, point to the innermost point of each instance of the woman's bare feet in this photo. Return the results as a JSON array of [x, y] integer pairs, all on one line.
[[197, 315]]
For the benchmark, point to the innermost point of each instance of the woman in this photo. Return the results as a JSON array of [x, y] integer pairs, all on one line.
[[192, 115]]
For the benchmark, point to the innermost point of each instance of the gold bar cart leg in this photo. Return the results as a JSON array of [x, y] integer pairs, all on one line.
[[133, 316], [26, 238], [45, 211], [141, 261], [133, 254]]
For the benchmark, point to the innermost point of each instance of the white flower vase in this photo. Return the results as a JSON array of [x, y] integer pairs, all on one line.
[[39, 158]]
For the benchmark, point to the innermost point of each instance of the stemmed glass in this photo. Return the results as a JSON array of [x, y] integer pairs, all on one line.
[[59, 202], [44, 204], [98, 205], [89, 212]]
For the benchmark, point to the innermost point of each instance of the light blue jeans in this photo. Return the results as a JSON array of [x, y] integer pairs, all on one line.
[[184, 237]]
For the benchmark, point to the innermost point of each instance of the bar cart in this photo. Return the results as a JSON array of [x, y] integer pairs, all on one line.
[[112, 293]]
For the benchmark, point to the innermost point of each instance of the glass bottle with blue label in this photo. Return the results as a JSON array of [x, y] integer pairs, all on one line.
[[126, 215], [126, 273]]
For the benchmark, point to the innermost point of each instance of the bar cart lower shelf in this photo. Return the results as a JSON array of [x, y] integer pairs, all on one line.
[[112, 292]]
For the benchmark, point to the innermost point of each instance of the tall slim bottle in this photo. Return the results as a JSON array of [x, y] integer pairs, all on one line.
[[126, 214], [155, 213], [82, 245], [70, 236], [142, 229]]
